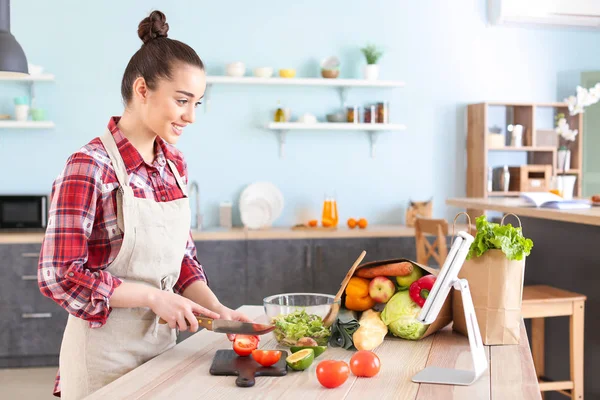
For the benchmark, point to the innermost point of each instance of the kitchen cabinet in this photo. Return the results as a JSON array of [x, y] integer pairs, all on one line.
[[278, 266], [333, 259], [31, 325], [224, 262]]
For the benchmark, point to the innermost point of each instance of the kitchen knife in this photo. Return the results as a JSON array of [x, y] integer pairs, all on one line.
[[234, 327]]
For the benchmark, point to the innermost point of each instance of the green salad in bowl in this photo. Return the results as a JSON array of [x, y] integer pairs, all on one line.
[[298, 316]]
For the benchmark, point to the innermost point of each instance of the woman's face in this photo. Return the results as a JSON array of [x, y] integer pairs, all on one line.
[[172, 105]]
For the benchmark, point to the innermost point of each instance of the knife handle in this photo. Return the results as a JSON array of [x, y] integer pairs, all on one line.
[[203, 322]]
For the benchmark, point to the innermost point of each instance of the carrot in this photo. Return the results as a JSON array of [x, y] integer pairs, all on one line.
[[403, 268]]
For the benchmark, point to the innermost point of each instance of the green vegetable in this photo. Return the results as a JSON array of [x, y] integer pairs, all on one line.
[[400, 316], [502, 237], [292, 327]]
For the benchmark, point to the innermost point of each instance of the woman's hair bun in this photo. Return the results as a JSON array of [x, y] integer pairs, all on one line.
[[153, 26]]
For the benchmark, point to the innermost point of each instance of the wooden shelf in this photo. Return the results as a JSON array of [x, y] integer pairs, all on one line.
[[479, 144], [504, 194], [251, 80], [29, 78], [373, 130], [26, 124], [523, 148]]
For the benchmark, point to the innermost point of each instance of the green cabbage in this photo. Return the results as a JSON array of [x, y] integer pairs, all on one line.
[[400, 316]]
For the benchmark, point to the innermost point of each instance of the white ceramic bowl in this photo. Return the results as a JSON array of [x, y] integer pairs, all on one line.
[[263, 72], [236, 69]]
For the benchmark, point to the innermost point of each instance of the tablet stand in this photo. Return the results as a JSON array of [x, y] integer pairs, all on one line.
[[450, 376]]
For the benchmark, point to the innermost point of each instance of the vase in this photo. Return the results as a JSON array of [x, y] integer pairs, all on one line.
[[563, 160], [566, 185], [371, 72]]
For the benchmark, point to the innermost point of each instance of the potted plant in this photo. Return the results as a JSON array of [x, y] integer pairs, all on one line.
[[372, 55]]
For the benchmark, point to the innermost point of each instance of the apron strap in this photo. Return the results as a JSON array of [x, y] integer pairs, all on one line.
[[178, 177], [115, 157]]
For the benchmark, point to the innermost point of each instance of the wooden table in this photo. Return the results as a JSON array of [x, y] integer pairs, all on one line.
[[182, 372]]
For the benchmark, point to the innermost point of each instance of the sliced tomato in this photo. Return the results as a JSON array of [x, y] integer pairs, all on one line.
[[266, 358], [243, 345]]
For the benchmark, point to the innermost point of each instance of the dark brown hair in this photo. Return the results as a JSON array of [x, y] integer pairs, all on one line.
[[155, 59]]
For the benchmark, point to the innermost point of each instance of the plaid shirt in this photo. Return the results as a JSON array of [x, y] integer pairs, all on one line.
[[82, 237]]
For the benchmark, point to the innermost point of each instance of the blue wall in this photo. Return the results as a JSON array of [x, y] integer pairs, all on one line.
[[446, 54]]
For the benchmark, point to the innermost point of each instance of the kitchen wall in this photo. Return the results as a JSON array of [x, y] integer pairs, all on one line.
[[444, 51]]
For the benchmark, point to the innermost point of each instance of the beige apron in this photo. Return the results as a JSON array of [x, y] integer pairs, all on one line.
[[154, 242]]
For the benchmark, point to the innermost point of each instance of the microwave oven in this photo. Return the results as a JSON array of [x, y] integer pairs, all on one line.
[[23, 212]]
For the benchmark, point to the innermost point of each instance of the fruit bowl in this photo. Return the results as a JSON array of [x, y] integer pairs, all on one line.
[[299, 315]]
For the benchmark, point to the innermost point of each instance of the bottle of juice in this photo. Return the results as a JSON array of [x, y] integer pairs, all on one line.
[[334, 211], [326, 219]]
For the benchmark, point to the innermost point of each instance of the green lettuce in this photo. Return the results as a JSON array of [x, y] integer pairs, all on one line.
[[292, 327], [492, 236], [400, 316]]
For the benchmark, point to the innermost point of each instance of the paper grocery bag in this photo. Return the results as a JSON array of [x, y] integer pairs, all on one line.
[[496, 285], [445, 314]]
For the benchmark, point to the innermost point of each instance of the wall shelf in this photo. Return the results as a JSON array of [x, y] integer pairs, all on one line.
[[342, 85], [373, 130], [26, 124], [30, 78]]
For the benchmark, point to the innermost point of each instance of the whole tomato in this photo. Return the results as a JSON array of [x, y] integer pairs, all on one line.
[[332, 373], [365, 363], [243, 345]]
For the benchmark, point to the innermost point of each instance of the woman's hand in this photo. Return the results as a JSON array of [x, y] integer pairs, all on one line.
[[176, 310], [232, 315]]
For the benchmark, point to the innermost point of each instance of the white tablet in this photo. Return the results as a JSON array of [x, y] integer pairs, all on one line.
[[446, 278]]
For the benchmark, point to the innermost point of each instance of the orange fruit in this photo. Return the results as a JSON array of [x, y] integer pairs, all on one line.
[[362, 223], [351, 223], [327, 223], [313, 223]]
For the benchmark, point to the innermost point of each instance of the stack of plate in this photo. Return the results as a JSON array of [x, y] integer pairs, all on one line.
[[261, 203]]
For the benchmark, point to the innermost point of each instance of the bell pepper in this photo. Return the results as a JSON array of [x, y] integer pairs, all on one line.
[[357, 295], [419, 289]]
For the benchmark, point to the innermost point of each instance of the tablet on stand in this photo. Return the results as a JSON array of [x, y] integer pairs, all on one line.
[[446, 279]]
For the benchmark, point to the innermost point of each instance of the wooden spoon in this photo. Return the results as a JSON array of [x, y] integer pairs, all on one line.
[[335, 308]]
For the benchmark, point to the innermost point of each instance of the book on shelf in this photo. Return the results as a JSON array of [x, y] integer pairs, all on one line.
[[551, 200]]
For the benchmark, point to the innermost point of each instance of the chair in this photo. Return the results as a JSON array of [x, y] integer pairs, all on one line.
[[540, 302], [438, 250]]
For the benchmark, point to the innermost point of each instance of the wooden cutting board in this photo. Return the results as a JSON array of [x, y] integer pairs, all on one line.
[[226, 362]]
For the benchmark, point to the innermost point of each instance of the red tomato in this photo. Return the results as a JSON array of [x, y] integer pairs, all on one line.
[[365, 363], [332, 373], [266, 358], [244, 344]]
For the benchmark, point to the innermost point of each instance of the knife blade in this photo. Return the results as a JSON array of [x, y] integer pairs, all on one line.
[[233, 327]]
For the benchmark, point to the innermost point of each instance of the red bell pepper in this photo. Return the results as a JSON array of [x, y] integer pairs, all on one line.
[[419, 289]]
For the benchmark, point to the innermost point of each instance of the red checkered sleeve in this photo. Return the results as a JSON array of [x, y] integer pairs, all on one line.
[[62, 272], [191, 269]]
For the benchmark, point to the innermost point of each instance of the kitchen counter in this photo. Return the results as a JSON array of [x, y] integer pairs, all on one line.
[[183, 372], [564, 255], [267, 233], [520, 207]]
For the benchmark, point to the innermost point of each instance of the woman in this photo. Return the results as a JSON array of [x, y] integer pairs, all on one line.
[[118, 254]]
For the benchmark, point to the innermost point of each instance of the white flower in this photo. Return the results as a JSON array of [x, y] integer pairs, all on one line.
[[564, 131], [584, 98]]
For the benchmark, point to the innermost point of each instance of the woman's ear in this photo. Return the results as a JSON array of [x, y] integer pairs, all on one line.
[[140, 89]]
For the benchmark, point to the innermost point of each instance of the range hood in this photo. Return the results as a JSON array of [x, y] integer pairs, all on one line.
[[13, 61]]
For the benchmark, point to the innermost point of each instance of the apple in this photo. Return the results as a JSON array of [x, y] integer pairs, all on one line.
[[381, 289], [405, 281]]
